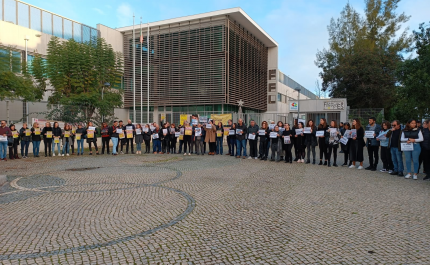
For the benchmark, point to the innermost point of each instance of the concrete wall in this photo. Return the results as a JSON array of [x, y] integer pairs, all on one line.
[[317, 106], [112, 36]]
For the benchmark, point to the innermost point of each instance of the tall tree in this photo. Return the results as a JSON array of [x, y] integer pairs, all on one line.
[[414, 77], [78, 73], [363, 54]]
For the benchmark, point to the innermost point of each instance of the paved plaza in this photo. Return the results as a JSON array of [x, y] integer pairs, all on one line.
[[175, 209]]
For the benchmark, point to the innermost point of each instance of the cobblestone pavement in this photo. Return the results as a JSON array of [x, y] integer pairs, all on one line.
[[174, 209]]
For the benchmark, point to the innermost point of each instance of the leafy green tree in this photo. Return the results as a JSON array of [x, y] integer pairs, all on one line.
[[414, 77], [15, 81], [363, 54], [78, 73]]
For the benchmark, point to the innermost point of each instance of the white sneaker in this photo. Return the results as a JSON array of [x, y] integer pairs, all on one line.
[[189, 154], [255, 158], [415, 177], [185, 154], [383, 170], [53, 154], [62, 154], [351, 166], [360, 167], [408, 176], [389, 172], [249, 157], [67, 154]]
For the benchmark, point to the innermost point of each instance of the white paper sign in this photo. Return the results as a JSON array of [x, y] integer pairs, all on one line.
[[320, 133], [129, 127], [198, 132], [299, 131], [281, 129], [208, 126], [145, 129], [407, 147], [251, 136], [138, 131], [164, 131], [369, 134], [353, 133], [118, 130], [307, 130], [91, 128], [239, 131], [273, 134], [382, 137], [155, 136], [343, 140], [287, 140], [262, 132], [347, 133], [177, 134], [272, 126], [301, 120], [231, 132], [3, 138]]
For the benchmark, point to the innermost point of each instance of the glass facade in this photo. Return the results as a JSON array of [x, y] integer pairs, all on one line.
[[36, 19], [23, 15], [284, 79]]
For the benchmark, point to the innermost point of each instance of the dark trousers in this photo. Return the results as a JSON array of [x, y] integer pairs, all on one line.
[[173, 145], [253, 148], [187, 140], [129, 141], [148, 146], [345, 157], [386, 158], [13, 150], [121, 143], [181, 143], [24, 148], [231, 146], [192, 145], [165, 145], [95, 146], [330, 150], [373, 152], [105, 143], [296, 150], [323, 148], [426, 160], [212, 147], [288, 155], [310, 147], [263, 147], [48, 146]]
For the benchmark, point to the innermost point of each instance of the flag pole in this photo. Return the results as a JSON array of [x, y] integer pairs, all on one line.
[[147, 70], [141, 78], [134, 75]]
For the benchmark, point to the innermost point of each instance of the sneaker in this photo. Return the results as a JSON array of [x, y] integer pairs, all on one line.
[[351, 166], [249, 157], [67, 155], [408, 176], [189, 154], [400, 174], [390, 171], [62, 154], [394, 173], [185, 154], [368, 168], [426, 177], [255, 158], [122, 153], [383, 170], [415, 177], [360, 167], [53, 154]]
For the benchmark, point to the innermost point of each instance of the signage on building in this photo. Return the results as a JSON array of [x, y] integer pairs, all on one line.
[[334, 105], [294, 105]]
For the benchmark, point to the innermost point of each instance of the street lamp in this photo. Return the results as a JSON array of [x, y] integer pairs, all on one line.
[[298, 102], [26, 38]]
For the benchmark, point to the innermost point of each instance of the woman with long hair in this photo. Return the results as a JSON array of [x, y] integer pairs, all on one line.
[[387, 164], [412, 135], [56, 134], [25, 141], [357, 143], [66, 133], [219, 138], [332, 142], [13, 149], [300, 140], [147, 138], [263, 140], [286, 145], [232, 140], [311, 141], [346, 147], [47, 138], [211, 137], [138, 139], [92, 140], [187, 137], [322, 141]]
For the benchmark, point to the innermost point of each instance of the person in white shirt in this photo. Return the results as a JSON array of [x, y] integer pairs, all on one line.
[[413, 136]]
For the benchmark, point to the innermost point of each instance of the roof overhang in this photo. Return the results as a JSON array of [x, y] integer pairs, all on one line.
[[235, 14]]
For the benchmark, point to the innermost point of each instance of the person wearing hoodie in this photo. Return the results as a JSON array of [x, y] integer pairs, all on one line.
[[106, 132], [25, 141], [80, 136], [372, 144], [311, 141], [147, 138], [253, 130], [47, 138], [56, 134], [13, 149], [241, 131]]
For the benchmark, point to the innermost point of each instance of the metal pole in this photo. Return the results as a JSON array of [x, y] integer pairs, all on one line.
[[26, 65], [7, 108], [134, 76], [147, 70], [141, 78], [103, 116], [298, 107]]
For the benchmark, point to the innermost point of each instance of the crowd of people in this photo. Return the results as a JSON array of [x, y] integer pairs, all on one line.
[[387, 139]]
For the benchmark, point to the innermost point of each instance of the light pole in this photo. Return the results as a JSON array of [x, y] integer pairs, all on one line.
[[27, 38], [107, 84], [298, 103]]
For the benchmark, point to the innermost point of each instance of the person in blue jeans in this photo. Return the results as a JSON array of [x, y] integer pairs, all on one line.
[[36, 138], [5, 132], [241, 131], [219, 138], [114, 137], [394, 144], [232, 139], [156, 143], [80, 137], [412, 135]]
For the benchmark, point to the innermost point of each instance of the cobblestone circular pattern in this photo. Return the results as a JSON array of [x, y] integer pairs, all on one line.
[[41, 185]]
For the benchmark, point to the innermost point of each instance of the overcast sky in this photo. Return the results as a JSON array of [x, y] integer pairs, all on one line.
[[299, 26]]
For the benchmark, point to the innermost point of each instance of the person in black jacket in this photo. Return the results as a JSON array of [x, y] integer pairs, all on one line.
[[147, 138], [165, 139], [80, 136], [345, 147], [311, 141], [332, 142], [173, 138], [322, 141], [25, 141], [263, 139], [13, 149], [56, 134], [47, 138], [287, 144], [241, 131], [129, 141], [93, 139], [425, 148], [301, 146], [106, 132], [276, 153], [357, 144]]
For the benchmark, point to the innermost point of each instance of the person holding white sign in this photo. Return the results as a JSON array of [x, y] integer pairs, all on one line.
[[147, 132], [332, 140], [300, 142], [114, 137], [93, 139], [263, 135], [311, 141], [5, 132], [240, 139], [322, 141], [253, 133], [373, 144], [156, 143], [211, 137], [410, 139], [346, 147], [357, 144], [138, 139], [287, 135], [274, 137], [129, 140], [219, 138], [387, 164], [173, 138]]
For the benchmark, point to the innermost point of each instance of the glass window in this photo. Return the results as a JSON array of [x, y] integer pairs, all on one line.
[[77, 32], [67, 29], [58, 26], [279, 97], [86, 33], [47, 22], [161, 108], [209, 107], [169, 108], [23, 16], [35, 22], [10, 11]]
